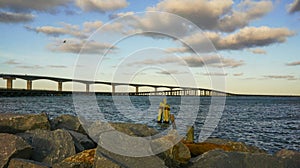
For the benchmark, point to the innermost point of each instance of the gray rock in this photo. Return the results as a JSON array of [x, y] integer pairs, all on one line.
[[124, 145], [68, 122], [15, 123], [177, 155], [20, 163], [291, 158], [50, 146], [13, 146], [104, 157], [82, 142], [222, 159]]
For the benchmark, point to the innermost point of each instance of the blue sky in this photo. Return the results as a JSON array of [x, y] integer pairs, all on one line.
[[257, 43]]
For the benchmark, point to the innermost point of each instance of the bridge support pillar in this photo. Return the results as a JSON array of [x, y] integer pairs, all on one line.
[[171, 91], [60, 86], [87, 87], [136, 90], [29, 84], [113, 88], [9, 82]]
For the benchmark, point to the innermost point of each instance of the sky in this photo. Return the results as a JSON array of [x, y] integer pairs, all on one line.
[[241, 46]]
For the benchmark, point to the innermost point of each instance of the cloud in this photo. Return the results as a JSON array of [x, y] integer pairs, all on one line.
[[238, 74], [258, 51], [171, 72], [221, 15], [288, 77], [293, 63], [30, 66], [101, 5], [247, 37], [248, 11], [79, 46], [11, 62], [57, 66], [215, 74], [67, 29], [10, 17], [294, 7], [33, 5], [213, 61], [194, 61]]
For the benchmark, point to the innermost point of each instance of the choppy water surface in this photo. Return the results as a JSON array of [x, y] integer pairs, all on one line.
[[271, 123]]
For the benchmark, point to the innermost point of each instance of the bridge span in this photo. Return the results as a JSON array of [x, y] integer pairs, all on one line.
[[172, 90]]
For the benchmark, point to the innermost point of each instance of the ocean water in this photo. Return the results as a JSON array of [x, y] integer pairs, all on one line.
[[270, 123]]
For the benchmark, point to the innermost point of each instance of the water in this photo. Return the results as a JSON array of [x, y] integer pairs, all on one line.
[[270, 123]]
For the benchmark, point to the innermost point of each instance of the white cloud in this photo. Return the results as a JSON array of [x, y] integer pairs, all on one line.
[[67, 29], [10, 17], [217, 14], [258, 51], [248, 11], [215, 74], [287, 77], [294, 7], [293, 63], [238, 74], [101, 5], [30, 5], [194, 61], [247, 37], [79, 46], [11, 62]]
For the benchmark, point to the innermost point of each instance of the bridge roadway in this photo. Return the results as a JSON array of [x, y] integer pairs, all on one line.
[[173, 90]]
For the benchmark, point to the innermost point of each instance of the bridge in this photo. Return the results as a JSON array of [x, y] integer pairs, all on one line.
[[172, 90]]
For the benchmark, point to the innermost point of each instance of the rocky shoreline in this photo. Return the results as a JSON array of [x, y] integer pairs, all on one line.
[[33, 140]]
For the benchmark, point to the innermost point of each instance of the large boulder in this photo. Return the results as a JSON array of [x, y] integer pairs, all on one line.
[[15, 123], [223, 159], [12, 146], [175, 154], [124, 145], [68, 122], [84, 159], [104, 157], [226, 145], [236, 146], [291, 158], [82, 142], [20, 163], [50, 146]]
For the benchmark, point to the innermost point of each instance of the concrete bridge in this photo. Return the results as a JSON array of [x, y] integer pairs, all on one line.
[[172, 90]]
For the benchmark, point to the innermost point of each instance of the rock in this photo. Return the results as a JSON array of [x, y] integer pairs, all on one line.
[[13, 146], [291, 158], [124, 145], [84, 159], [226, 145], [200, 148], [236, 146], [50, 146], [177, 155], [15, 123], [135, 130], [68, 122], [222, 159], [16, 163], [81, 141], [102, 162], [105, 157]]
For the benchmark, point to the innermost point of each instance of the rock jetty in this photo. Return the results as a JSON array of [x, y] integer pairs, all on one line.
[[33, 140]]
